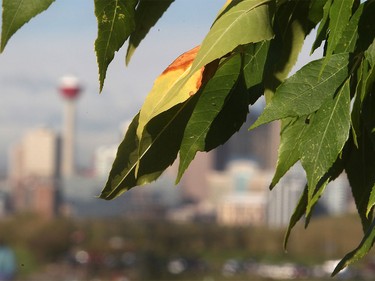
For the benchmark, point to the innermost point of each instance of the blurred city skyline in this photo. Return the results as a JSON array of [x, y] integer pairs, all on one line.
[[60, 42]]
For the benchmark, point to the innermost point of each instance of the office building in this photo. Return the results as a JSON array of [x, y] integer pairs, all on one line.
[[34, 173]]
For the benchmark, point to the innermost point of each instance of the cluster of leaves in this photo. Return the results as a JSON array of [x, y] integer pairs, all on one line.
[[204, 96]]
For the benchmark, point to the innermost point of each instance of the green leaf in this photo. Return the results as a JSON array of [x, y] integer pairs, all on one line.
[[365, 80], [367, 77], [363, 75], [362, 85], [292, 134], [291, 25], [333, 173], [339, 15], [370, 58], [255, 56], [304, 206], [249, 21], [362, 249], [359, 167], [349, 37], [122, 177], [316, 10], [244, 23], [230, 118], [148, 12], [321, 34], [162, 137], [115, 23], [326, 136], [368, 114], [298, 213], [18, 12], [366, 26], [211, 101], [306, 91], [370, 54], [357, 104], [371, 201]]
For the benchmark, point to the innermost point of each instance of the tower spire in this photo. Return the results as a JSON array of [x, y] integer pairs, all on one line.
[[70, 89]]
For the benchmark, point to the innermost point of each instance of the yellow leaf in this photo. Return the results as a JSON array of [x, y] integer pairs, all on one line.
[[164, 95]]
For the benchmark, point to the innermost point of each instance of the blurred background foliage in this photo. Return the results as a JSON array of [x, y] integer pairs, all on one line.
[[145, 249]]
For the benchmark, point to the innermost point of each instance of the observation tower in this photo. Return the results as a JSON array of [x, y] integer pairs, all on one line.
[[70, 89]]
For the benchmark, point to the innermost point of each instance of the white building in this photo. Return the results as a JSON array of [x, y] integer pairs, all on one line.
[[243, 209], [36, 155], [336, 196], [239, 194], [104, 157], [34, 172], [283, 199]]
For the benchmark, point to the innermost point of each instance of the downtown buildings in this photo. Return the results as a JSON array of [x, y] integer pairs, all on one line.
[[228, 185], [43, 159]]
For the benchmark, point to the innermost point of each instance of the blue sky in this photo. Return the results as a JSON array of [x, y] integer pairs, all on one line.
[[60, 41]]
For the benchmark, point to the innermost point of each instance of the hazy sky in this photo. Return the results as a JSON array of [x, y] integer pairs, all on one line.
[[60, 41]]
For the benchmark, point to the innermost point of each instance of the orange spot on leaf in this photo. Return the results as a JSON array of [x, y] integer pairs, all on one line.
[[183, 62]]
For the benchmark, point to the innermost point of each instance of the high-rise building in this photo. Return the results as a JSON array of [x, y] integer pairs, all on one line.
[[194, 182], [283, 199], [34, 172], [259, 145], [336, 196], [245, 200]]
